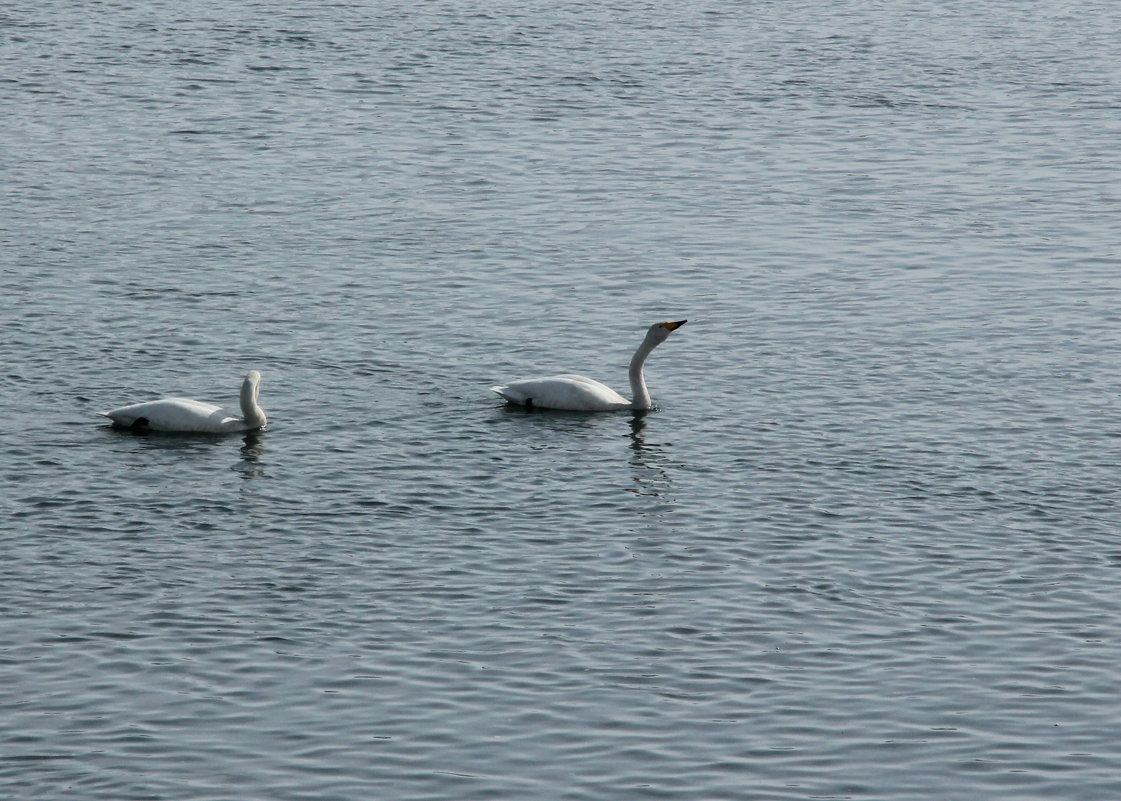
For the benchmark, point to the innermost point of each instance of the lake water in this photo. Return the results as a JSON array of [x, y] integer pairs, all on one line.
[[867, 547]]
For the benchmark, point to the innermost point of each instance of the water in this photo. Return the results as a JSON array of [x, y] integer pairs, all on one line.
[[866, 547]]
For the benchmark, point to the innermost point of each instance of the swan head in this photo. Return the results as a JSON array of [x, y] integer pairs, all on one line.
[[660, 331], [250, 390]]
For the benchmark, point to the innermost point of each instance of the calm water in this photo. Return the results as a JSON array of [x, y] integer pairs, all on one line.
[[866, 548]]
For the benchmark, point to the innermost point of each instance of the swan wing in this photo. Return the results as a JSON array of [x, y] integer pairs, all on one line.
[[178, 414], [570, 392]]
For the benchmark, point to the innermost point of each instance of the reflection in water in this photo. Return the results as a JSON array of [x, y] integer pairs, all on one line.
[[649, 462], [252, 448], [638, 425], [147, 439], [542, 424]]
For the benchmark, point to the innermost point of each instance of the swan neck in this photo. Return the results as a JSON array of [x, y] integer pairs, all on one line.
[[640, 396], [254, 415]]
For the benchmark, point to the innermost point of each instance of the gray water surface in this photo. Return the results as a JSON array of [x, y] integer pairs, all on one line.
[[866, 547]]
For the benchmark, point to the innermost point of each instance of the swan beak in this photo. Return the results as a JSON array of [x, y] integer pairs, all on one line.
[[674, 326]]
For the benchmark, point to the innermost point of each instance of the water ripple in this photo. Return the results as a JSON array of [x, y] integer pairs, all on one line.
[[864, 548]]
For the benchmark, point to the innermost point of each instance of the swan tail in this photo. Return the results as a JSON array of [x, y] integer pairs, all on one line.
[[509, 394]]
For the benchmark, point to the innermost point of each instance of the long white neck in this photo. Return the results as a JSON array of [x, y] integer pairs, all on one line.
[[254, 415], [640, 396]]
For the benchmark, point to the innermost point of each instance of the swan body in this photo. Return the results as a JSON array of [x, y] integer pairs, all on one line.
[[583, 394], [192, 416]]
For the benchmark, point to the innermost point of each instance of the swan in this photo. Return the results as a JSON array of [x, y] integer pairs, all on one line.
[[578, 393], [184, 414]]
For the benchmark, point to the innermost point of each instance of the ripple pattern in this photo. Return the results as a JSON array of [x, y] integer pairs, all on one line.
[[866, 547]]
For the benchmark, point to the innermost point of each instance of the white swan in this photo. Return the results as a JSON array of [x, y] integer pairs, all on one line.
[[577, 393], [183, 414]]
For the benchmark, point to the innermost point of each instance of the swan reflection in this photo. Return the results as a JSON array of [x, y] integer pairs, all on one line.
[[649, 461], [252, 448]]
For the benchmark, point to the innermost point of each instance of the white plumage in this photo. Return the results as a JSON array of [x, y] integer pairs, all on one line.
[[186, 415], [580, 393]]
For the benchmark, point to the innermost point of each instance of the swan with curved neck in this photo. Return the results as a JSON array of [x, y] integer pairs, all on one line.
[[186, 415], [579, 393]]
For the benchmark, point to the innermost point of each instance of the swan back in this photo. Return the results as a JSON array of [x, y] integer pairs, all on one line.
[[193, 416], [579, 393], [569, 392], [177, 414]]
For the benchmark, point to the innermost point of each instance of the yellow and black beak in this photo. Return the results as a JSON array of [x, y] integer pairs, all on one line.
[[674, 326]]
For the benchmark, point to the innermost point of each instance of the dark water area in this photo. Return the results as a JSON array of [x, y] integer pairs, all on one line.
[[866, 547]]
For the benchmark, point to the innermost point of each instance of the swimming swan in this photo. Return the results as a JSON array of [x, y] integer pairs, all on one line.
[[183, 414], [577, 393]]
